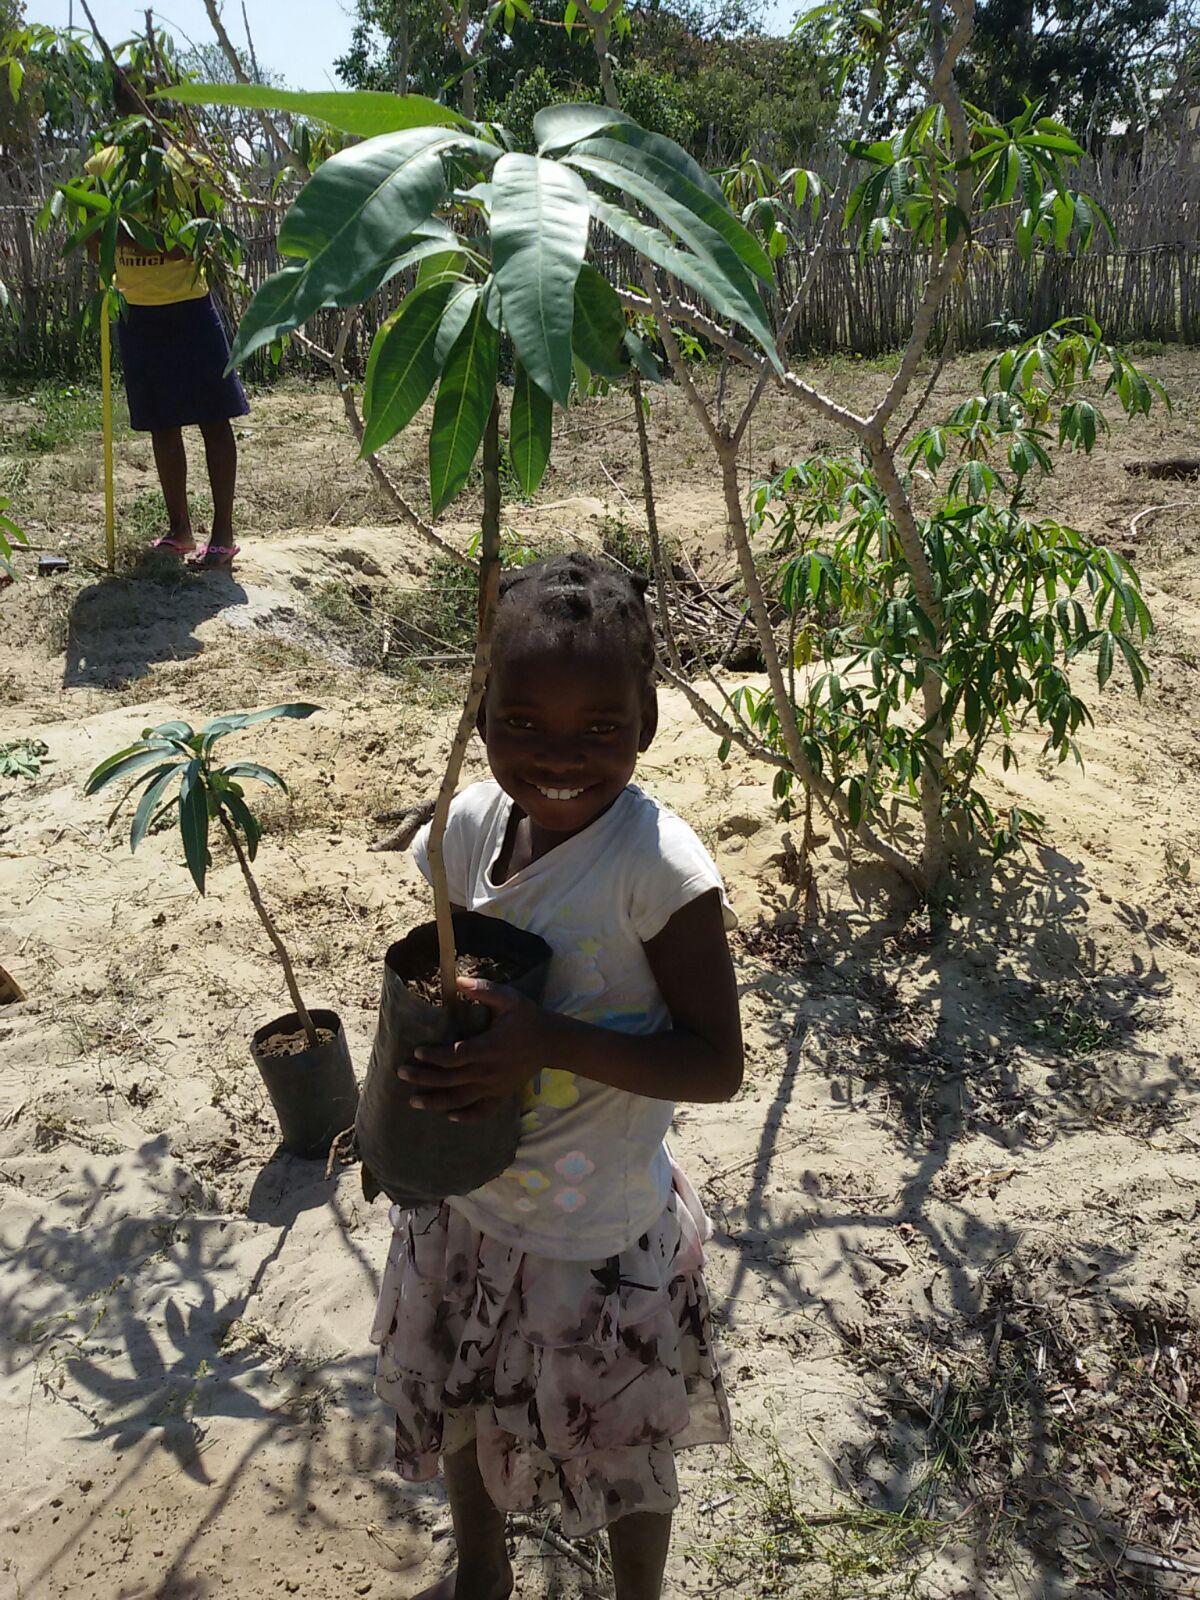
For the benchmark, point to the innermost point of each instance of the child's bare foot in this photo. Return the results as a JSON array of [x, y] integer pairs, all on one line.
[[454, 1586]]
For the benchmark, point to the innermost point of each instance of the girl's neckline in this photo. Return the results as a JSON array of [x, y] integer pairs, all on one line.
[[510, 821]]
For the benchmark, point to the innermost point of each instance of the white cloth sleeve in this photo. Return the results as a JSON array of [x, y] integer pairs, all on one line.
[[456, 861], [669, 870]]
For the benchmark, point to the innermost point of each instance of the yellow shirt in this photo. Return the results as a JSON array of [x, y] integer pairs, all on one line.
[[156, 279]]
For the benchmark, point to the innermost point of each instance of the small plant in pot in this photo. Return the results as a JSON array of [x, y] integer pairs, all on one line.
[[303, 1056]]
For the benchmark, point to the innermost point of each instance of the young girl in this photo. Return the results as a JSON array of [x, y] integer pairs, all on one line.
[[548, 1335]]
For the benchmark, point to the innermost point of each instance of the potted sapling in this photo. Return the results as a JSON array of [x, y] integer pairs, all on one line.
[[498, 241], [303, 1056], [421, 1156]]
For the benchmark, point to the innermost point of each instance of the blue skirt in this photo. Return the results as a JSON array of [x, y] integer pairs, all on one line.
[[173, 360]]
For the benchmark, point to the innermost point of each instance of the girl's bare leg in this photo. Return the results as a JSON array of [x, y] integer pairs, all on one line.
[[220, 453], [170, 458], [483, 1571], [639, 1544]]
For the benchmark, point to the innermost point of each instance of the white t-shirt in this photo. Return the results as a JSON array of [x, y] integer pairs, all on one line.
[[591, 1172]]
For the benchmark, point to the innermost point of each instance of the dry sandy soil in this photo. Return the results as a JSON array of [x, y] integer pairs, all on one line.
[[956, 1202]]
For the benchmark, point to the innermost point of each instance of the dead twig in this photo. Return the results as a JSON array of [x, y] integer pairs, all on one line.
[[1153, 511]]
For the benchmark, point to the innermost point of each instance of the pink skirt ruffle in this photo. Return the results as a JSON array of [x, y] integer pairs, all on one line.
[[578, 1380]]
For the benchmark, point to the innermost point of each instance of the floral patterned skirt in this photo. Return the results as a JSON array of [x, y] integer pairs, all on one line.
[[577, 1380]]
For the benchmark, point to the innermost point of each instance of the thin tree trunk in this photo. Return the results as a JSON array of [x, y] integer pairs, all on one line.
[[489, 592], [785, 710], [289, 975]]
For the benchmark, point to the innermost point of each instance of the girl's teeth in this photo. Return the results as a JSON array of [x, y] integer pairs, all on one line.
[[559, 794]]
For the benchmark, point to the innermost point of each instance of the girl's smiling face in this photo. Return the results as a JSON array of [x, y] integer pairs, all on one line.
[[563, 731]]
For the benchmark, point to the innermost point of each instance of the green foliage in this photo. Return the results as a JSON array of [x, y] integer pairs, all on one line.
[[10, 535], [1022, 600], [364, 113], [22, 758], [62, 414], [174, 754], [911, 185], [522, 275], [1098, 62]]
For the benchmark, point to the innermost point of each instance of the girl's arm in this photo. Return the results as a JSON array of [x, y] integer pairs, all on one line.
[[698, 1058]]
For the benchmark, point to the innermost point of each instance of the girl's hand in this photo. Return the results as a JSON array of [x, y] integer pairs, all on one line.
[[471, 1079]]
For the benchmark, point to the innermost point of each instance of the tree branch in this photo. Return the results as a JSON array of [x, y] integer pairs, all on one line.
[[336, 360], [267, 122]]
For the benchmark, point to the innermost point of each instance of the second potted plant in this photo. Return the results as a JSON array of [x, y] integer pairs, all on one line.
[[303, 1056]]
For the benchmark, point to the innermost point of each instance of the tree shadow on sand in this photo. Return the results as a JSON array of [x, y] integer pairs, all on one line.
[[136, 1305], [1008, 1028], [121, 627]]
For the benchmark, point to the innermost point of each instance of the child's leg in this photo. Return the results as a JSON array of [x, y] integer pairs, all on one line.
[[483, 1572], [638, 1544], [171, 460], [220, 450]]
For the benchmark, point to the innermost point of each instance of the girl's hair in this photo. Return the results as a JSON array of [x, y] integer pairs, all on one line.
[[572, 599]]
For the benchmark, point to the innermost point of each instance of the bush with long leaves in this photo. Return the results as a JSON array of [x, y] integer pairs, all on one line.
[[173, 754]]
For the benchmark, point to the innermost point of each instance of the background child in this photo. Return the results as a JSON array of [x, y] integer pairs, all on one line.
[[173, 355], [548, 1335]]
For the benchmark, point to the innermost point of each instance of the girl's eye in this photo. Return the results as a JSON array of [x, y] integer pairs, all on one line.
[[603, 727], [518, 724]]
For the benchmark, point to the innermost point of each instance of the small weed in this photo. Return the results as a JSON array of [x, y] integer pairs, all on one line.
[[769, 1544], [22, 758], [1178, 867], [626, 545], [1075, 1030]]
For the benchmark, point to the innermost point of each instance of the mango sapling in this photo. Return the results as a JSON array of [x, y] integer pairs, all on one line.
[[303, 1056]]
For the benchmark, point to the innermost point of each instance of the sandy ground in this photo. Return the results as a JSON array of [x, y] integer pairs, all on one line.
[[956, 1202]]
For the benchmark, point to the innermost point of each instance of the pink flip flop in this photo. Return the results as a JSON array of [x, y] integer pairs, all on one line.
[[175, 544], [215, 556]]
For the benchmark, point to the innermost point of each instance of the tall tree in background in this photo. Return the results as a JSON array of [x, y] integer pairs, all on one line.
[[1092, 62], [700, 71]]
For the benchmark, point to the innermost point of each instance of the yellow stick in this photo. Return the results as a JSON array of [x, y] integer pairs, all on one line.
[[110, 528]]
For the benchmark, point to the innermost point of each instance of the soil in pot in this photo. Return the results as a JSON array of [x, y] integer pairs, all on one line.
[[419, 1157], [293, 1044], [312, 1088]]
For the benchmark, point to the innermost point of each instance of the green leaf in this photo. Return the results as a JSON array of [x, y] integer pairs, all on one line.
[[599, 328], [252, 769], [157, 782], [460, 412], [427, 244], [193, 822], [701, 274], [1104, 662], [671, 171], [539, 235], [558, 127], [643, 357], [403, 365], [243, 818], [271, 313], [529, 430], [127, 761], [454, 320], [358, 204], [296, 710], [363, 112]]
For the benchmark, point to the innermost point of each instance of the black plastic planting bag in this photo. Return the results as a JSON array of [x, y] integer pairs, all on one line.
[[419, 1157], [313, 1092]]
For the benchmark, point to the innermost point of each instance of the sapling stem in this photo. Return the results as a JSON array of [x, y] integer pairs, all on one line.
[[489, 590], [306, 1022]]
